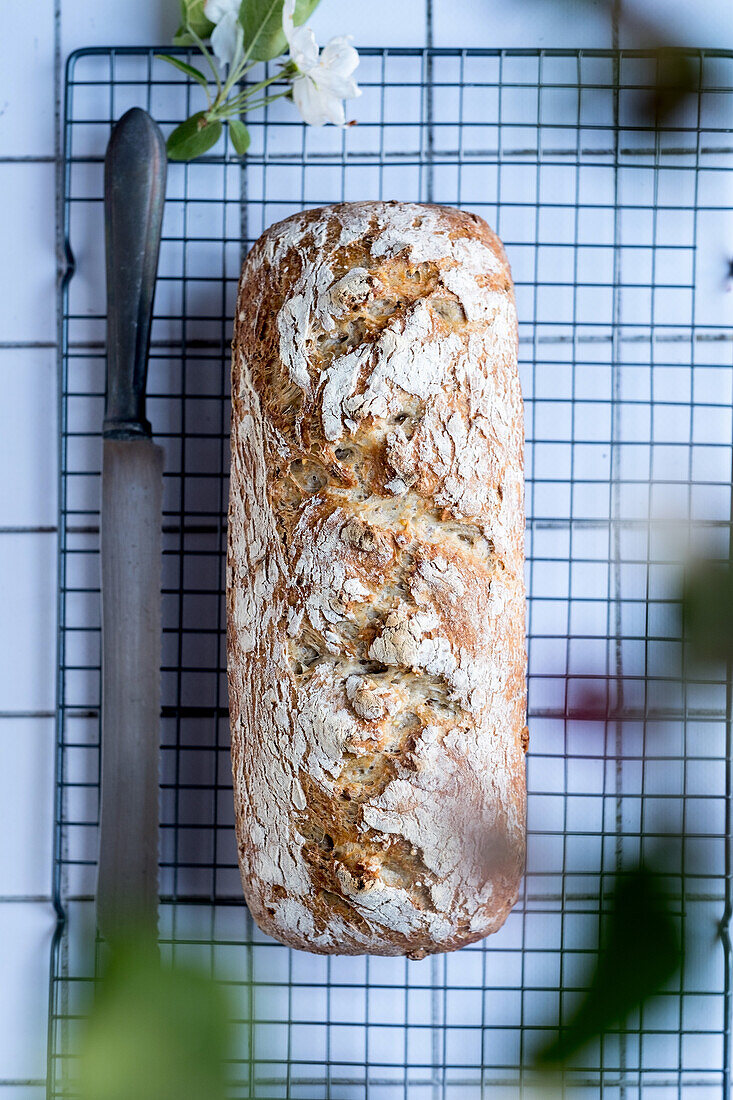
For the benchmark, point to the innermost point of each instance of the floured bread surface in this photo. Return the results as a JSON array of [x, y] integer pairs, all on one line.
[[375, 581]]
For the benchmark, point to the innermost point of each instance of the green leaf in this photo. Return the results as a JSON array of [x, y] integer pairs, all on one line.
[[187, 69], [183, 38], [262, 22], [240, 136], [193, 137], [640, 952], [192, 16], [154, 1031]]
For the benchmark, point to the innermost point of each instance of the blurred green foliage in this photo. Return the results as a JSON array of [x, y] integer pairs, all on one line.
[[677, 73], [707, 610], [640, 952], [155, 1032], [678, 76]]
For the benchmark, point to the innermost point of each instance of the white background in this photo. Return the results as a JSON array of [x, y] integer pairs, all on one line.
[[37, 37]]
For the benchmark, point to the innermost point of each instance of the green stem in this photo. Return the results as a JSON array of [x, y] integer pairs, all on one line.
[[212, 65], [242, 70], [264, 83], [243, 97], [229, 109], [266, 100], [235, 75], [232, 77]]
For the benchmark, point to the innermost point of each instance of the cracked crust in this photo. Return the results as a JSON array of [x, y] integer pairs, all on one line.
[[375, 588]]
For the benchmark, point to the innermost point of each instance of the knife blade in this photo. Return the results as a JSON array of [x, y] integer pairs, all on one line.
[[132, 493]]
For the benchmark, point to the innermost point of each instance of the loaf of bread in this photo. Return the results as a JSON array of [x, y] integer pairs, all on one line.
[[375, 581]]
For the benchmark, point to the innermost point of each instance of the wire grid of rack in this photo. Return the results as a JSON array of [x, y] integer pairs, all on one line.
[[615, 233]]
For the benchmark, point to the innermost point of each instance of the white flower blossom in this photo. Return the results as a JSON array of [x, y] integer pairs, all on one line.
[[323, 80], [227, 35]]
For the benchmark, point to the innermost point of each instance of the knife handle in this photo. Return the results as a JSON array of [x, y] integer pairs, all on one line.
[[134, 193]]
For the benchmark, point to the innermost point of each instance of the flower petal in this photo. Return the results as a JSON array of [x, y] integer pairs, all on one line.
[[288, 14], [215, 10], [315, 107], [331, 83], [333, 109], [226, 38], [339, 56], [324, 79], [304, 48]]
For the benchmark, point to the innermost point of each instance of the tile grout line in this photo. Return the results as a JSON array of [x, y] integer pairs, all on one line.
[[616, 15], [57, 953], [9, 715], [57, 147], [28, 158], [437, 966], [24, 529], [26, 899], [21, 1082], [27, 345], [429, 102]]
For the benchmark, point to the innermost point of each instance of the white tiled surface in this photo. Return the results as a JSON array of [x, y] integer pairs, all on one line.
[[27, 422], [26, 823], [709, 23], [374, 22], [142, 22], [25, 938], [27, 620], [26, 99], [27, 280], [530, 23], [28, 380]]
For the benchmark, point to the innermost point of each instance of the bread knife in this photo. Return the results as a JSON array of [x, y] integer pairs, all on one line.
[[131, 544]]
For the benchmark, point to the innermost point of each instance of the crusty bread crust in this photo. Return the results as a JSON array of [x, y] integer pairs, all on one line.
[[375, 588]]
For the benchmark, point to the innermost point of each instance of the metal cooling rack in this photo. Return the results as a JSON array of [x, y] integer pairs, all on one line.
[[615, 234]]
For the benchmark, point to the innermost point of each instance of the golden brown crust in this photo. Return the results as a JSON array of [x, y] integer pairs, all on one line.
[[375, 581]]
